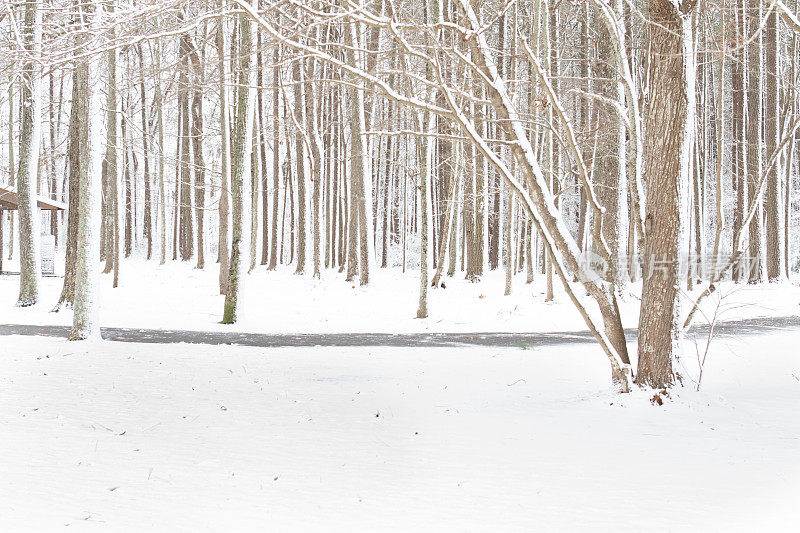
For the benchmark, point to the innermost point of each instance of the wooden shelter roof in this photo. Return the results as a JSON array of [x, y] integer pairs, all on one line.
[[10, 201]]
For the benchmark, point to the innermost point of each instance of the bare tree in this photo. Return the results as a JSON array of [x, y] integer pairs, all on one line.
[[85, 319], [29, 146], [669, 133], [240, 168]]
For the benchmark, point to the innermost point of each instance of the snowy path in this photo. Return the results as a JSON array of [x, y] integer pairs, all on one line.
[[750, 326]]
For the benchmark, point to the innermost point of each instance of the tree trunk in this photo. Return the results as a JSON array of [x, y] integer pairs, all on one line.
[[471, 228], [53, 188], [447, 231], [240, 170], [425, 155], [225, 168], [262, 145], [315, 140], [509, 235], [738, 80], [359, 170], [11, 162], [276, 150], [126, 165], [29, 146], [772, 204], [148, 201], [85, 322], [112, 170], [78, 132], [670, 120], [753, 139], [197, 149], [162, 191], [610, 159], [185, 228], [300, 172]]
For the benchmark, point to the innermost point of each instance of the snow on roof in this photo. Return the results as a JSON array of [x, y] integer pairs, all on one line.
[[10, 201]]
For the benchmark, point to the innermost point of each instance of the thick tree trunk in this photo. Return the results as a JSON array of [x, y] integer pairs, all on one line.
[[85, 322], [359, 171], [78, 132], [610, 159], [753, 139], [29, 146], [772, 204], [668, 130]]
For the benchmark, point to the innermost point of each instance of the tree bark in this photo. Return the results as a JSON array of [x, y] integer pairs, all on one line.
[[666, 167], [148, 201], [78, 135], [29, 146], [262, 145], [359, 172], [754, 162], [185, 227], [610, 159], [85, 322], [772, 204], [425, 154], [276, 150], [162, 191], [199, 165], [300, 170], [225, 168], [738, 81], [240, 170]]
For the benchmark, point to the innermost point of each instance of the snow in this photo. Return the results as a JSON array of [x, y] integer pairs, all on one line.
[[122, 437], [178, 296], [127, 437]]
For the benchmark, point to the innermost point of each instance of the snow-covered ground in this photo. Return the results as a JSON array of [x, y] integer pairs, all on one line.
[[131, 437], [178, 296]]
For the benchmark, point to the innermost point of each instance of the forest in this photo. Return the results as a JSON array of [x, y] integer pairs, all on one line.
[[636, 161]]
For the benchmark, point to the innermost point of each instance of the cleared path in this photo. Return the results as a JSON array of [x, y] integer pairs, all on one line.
[[729, 328]]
